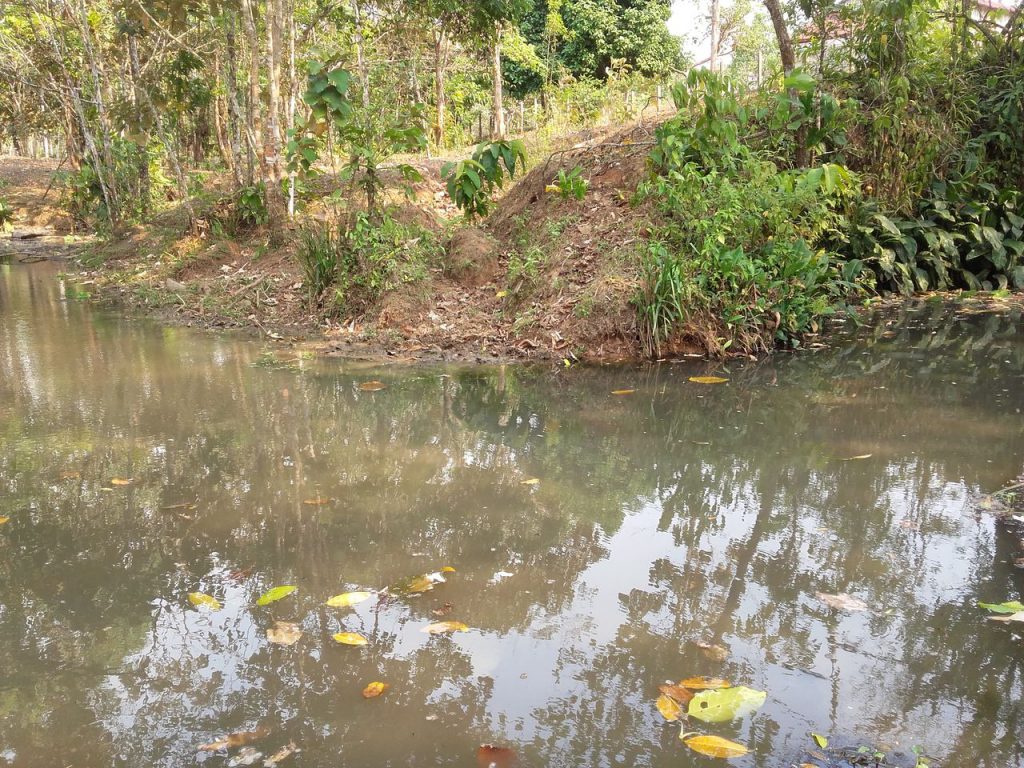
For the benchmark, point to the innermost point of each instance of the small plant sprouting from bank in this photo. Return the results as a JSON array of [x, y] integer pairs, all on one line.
[[571, 184], [472, 183], [6, 214], [251, 207]]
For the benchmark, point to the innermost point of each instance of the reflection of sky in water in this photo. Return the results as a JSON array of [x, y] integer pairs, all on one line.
[[583, 592]]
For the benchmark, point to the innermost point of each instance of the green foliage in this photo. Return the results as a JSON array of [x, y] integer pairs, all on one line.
[[571, 184], [251, 206], [6, 214], [472, 182]]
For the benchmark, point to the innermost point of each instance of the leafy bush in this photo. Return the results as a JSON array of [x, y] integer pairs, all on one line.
[[471, 183], [251, 206], [571, 184], [6, 214]]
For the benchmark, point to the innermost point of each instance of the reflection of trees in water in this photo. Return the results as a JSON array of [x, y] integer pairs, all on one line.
[[428, 472]]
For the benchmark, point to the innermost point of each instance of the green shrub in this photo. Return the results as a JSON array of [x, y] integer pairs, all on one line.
[[471, 183], [571, 184], [6, 214], [251, 206]]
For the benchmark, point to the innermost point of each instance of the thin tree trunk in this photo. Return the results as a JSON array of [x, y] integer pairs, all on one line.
[[364, 76], [101, 112], [440, 65], [275, 198], [781, 35], [293, 89], [499, 105], [235, 110], [138, 97], [254, 125], [715, 32]]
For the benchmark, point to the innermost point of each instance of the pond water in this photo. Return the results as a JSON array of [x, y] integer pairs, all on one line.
[[676, 515]]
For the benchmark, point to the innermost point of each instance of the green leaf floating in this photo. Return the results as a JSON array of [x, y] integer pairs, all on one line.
[[1014, 606], [725, 704], [275, 594]]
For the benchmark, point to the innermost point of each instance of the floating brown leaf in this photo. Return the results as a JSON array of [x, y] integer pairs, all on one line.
[[708, 380], [677, 692], [287, 750], [71, 475], [1012, 617], [443, 627], [842, 601], [858, 458], [316, 501], [350, 638], [669, 708], [373, 386], [121, 481], [374, 689], [623, 391], [701, 683], [233, 740], [4, 520], [713, 652], [284, 633], [491, 756], [246, 756], [713, 746], [444, 610]]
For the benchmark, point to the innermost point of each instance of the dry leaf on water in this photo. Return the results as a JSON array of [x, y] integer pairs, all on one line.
[[669, 708], [374, 689], [287, 750], [708, 380], [713, 652], [676, 691], [121, 481], [350, 638], [348, 599], [700, 683], [247, 756], [417, 584], [447, 569], [200, 600], [713, 746], [373, 386], [443, 627], [275, 594], [842, 601], [316, 501], [233, 740], [491, 756], [284, 633], [858, 458], [531, 481], [1011, 617], [4, 520], [623, 391]]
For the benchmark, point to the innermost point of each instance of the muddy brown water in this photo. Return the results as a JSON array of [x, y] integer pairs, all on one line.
[[676, 515]]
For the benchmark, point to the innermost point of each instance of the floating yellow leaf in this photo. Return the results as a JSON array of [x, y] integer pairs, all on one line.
[[233, 740], [200, 600], [708, 380], [441, 627], [348, 599], [623, 391], [4, 520], [714, 746], [121, 481], [284, 633], [374, 689], [447, 569], [677, 692], [669, 708], [531, 481], [316, 501], [700, 683], [820, 740], [350, 638], [275, 594], [725, 704], [373, 386]]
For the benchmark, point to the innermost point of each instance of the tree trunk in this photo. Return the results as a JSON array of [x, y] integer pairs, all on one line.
[[499, 106], [254, 128], [275, 197], [715, 34], [364, 75], [440, 65], [234, 121], [138, 99], [781, 35]]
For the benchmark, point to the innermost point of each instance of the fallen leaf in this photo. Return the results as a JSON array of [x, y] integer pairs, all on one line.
[[350, 638], [725, 704], [531, 481], [1012, 617], [669, 708], [121, 481], [1012, 606], [417, 584], [700, 683], [71, 475], [248, 756], [373, 386], [713, 746], [708, 380], [444, 610], [447, 569], [623, 391], [235, 740], [677, 692], [200, 600], [491, 756], [501, 294], [374, 689], [820, 740], [316, 501], [842, 601], [287, 750], [4, 520], [442, 627], [275, 594], [284, 633], [858, 458], [713, 652], [348, 599]]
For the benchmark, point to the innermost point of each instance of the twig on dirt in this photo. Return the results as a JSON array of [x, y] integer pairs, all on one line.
[[604, 145], [247, 286]]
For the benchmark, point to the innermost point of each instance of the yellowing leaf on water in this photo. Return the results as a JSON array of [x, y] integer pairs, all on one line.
[[374, 689], [708, 380], [441, 627], [669, 708], [623, 391], [373, 386], [820, 740], [121, 481], [677, 692], [287, 750], [350, 638], [233, 740], [200, 600], [447, 569], [4, 520], [713, 746], [725, 704], [700, 683], [842, 601], [348, 599], [284, 633], [1012, 617], [531, 481], [858, 458], [275, 594], [317, 501]]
